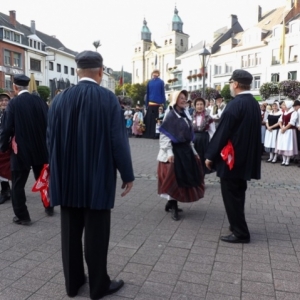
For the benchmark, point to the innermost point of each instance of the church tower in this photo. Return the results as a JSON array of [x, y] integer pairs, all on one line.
[[138, 60]]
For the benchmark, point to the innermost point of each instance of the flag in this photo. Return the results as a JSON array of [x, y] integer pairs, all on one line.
[[155, 60], [282, 43], [227, 155], [121, 78]]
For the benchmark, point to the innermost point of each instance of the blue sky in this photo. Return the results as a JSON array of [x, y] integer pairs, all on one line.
[[117, 23]]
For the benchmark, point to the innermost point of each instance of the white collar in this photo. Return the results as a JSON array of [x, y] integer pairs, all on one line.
[[88, 79], [23, 91], [244, 92]]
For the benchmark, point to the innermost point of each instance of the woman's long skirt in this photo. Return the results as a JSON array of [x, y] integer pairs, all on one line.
[[287, 143], [168, 187], [201, 143], [270, 140]]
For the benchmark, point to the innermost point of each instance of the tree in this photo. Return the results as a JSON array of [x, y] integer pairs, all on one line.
[[44, 92], [117, 74], [226, 92], [290, 88], [135, 91], [1, 90], [267, 89]]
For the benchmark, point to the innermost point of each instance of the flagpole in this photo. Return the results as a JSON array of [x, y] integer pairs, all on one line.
[[123, 80]]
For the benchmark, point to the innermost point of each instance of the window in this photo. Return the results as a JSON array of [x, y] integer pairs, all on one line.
[[139, 49], [17, 60], [275, 56], [166, 42], [244, 61], [7, 34], [30, 43], [256, 82], [51, 66], [295, 27], [58, 68], [34, 44], [257, 59], [276, 32], [17, 38], [293, 55], [72, 71], [35, 65], [218, 69], [275, 77], [218, 86], [170, 41], [251, 60], [195, 87], [292, 75], [228, 68], [8, 82], [66, 70], [7, 57], [135, 50], [39, 46], [181, 42], [190, 88]]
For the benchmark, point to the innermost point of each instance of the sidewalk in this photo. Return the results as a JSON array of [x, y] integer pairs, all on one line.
[[159, 258]]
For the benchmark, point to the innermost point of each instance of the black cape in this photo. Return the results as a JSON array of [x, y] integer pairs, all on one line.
[[87, 143], [241, 123], [25, 118]]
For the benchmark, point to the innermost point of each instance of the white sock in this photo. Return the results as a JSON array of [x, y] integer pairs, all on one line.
[[275, 157], [283, 159], [271, 155], [287, 161]]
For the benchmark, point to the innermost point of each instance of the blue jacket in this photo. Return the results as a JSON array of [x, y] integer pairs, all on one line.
[[87, 143], [156, 91]]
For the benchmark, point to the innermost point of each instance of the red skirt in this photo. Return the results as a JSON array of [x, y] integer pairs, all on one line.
[[167, 184], [5, 171]]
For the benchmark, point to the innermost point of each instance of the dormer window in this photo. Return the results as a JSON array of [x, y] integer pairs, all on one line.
[[181, 42], [7, 34], [295, 27]]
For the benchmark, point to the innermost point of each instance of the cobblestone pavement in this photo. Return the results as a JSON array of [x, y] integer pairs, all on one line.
[[159, 258]]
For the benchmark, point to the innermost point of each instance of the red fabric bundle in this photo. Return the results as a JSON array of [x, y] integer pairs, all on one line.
[[42, 185], [227, 155]]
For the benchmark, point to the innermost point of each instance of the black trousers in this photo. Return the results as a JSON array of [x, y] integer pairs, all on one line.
[[234, 195], [96, 226], [19, 179], [150, 121]]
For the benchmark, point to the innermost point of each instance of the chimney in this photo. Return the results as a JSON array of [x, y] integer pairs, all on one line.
[[289, 4], [259, 13], [32, 27], [12, 18], [232, 20]]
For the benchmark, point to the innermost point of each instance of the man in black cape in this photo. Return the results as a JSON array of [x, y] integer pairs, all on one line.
[[87, 143], [24, 127], [240, 124]]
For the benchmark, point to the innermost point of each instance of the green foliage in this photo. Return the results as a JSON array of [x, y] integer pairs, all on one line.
[[226, 92], [267, 89], [290, 88], [135, 91], [44, 92], [117, 74], [1, 90]]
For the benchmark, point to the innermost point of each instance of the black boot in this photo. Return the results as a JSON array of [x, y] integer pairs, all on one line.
[[168, 207], [174, 210], [5, 192]]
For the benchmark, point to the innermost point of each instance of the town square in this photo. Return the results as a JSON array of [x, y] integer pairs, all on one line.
[[150, 150]]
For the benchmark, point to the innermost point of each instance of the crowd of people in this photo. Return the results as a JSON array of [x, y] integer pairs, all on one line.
[[82, 138]]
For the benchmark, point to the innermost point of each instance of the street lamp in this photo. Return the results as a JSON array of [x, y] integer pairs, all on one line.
[[204, 57], [97, 44]]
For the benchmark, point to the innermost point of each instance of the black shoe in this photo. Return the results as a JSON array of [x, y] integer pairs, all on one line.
[[49, 211], [115, 285], [4, 196], [174, 210], [233, 239], [168, 207], [21, 222]]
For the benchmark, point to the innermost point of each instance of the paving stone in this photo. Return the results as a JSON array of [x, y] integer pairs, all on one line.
[[144, 259], [141, 296], [53, 289], [226, 277], [167, 268], [214, 296], [157, 289], [257, 276], [137, 269], [287, 266], [177, 296], [28, 284], [224, 288], [162, 277], [258, 288], [13, 294], [287, 286], [198, 267], [187, 288], [227, 267], [41, 273], [4, 283], [132, 278], [250, 296], [286, 296]]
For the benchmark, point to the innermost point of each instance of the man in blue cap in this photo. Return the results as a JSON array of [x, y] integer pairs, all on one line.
[[24, 126], [87, 143], [240, 125]]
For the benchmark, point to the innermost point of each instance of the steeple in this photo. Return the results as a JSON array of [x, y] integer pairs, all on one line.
[[177, 23], [146, 33]]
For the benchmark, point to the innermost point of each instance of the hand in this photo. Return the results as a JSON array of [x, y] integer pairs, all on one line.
[[299, 128], [282, 130], [171, 159], [208, 164], [270, 129], [128, 186]]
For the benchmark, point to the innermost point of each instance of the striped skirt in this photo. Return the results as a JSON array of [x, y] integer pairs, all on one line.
[[167, 184]]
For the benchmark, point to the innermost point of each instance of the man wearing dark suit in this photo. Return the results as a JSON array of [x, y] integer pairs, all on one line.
[[240, 123], [87, 142], [24, 126]]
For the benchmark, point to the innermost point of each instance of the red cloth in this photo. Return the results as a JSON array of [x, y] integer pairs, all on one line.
[[42, 185], [227, 155], [5, 170]]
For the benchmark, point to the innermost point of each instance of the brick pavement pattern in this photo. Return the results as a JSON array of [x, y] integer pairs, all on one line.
[[159, 258]]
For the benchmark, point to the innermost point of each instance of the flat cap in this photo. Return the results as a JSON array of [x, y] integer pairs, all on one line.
[[88, 60], [21, 80], [296, 103], [5, 95], [241, 76]]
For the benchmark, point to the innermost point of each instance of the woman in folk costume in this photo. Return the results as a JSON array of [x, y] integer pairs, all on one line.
[[272, 131], [137, 119], [180, 175], [264, 116], [204, 128], [5, 172], [287, 139]]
